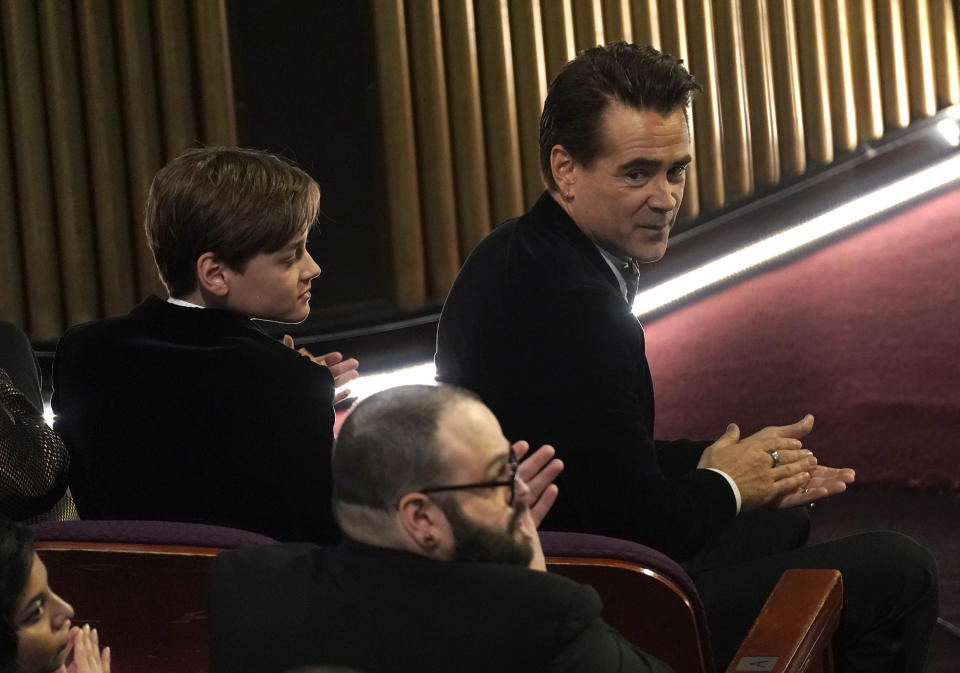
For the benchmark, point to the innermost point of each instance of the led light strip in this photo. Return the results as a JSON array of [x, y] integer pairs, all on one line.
[[850, 213]]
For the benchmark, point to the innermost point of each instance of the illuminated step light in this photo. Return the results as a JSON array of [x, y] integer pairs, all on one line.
[[851, 213]]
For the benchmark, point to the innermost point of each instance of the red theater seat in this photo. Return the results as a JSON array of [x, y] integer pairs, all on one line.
[[141, 583], [652, 601]]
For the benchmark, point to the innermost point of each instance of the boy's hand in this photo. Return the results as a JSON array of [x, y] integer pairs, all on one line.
[[343, 371]]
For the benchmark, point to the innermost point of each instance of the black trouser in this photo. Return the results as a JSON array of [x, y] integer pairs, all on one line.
[[17, 359], [890, 588]]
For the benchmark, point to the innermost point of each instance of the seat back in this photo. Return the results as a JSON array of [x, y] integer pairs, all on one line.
[[141, 584], [646, 595]]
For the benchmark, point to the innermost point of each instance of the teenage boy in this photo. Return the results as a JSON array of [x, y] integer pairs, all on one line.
[[184, 409]]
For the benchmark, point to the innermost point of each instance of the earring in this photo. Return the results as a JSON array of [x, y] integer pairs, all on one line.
[[568, 197], [429, 541]]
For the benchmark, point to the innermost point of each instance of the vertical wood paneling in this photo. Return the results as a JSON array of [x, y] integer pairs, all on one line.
[[213, 65], [646, 22], [433, 131], [499, 110], [673, 35], [814, 90], [893, 69], [175, 76], [786, 88], [400, 167], [466, 123], [866, 70], [943, 28], [617, 22], [706, 118], [731, 77], [526, 28], [71, 186], [31, 152], [108, 172], [920, 76], [558, 40], [761, 104], [12, 306], [144, 145], [843, 113], [588, 24]]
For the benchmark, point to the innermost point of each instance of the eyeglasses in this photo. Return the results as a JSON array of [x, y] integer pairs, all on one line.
[[511, 482]]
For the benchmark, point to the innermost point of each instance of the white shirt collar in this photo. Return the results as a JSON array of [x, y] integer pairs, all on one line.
[[181, 302], [615, 263]]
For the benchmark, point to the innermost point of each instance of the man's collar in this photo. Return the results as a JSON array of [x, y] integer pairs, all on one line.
[[183, 302]]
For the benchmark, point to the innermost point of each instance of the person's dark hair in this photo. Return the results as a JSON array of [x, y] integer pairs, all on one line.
[[640, 77], [387, 446], [233, 202], [16, 560]]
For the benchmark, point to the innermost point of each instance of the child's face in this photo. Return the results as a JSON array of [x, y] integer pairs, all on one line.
[[275, 285], [43, 622]]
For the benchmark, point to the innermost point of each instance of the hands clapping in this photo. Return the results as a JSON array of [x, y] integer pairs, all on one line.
[[83, 645], [343, 371]]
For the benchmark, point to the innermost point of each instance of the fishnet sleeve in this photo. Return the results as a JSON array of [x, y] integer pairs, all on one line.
[[34, 464]]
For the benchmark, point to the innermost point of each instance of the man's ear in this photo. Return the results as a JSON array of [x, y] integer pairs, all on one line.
[[213, 275], [564, 168], [426, 526]]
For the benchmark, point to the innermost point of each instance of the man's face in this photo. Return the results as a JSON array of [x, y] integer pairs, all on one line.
[[485, 526], [627, 200], [274, 285]]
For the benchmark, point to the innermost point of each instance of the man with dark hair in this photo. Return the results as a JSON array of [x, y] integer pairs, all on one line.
[[539, 324], [185, 409], [441, 567]]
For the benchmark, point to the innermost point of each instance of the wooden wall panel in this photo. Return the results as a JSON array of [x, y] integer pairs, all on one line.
[[862, 22], [646, 22], [141, 126], [434, 165], [843, 115], [943, 28], [71, 186], [108, 170], [31, 162], [673, 35], [786, 89], [466, 123], [732, 90], [588, 23], [526, 28], [893, 67], [12, 306], [706, 118], [920, 75], [617, 21], [815, 92], [558, 34], [399, 145], [499, 109], [761, 104]]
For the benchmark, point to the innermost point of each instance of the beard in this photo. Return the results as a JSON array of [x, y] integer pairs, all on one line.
[[476, 542]]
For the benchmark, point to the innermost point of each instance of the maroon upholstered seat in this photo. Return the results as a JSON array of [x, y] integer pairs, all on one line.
[[652, 601], [141, 583]]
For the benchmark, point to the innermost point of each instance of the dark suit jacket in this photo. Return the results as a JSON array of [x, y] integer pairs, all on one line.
[[536, 325], [195, 415], [382, 611]]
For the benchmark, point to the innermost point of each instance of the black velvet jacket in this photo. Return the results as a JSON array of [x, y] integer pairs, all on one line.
[[536, 325], [195, 415], [272, 609]]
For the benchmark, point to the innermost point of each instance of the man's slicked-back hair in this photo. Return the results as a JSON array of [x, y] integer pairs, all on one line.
[[233, 202], [388, 447], [638, 76]]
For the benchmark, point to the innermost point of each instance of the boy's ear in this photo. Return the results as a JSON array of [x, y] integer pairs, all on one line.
[[213, 274]]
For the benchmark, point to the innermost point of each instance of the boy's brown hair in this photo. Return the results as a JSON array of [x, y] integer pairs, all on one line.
[[233, 202]]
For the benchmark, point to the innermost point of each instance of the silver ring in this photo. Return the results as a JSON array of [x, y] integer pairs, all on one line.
[[776, 457]]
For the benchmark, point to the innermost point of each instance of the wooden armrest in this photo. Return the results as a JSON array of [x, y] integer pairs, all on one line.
[[794, 631]]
